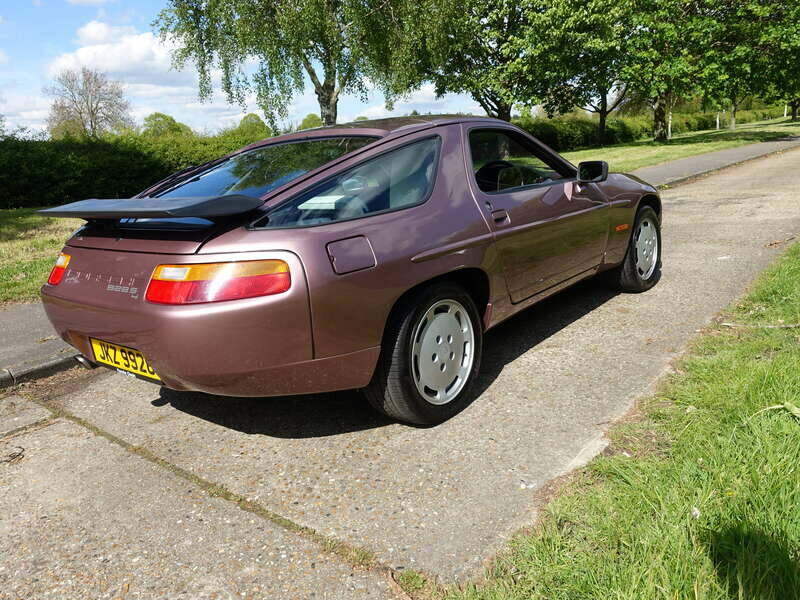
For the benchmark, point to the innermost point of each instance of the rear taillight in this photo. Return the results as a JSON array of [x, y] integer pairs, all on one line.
[[57, 274], [214, 282]]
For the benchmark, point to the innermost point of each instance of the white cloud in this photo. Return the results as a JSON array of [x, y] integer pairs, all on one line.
[[24, 110], [96, 32], [130, 57], [3, 57], [88, 2]]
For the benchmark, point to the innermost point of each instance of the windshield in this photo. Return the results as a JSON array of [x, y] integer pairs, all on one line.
[[257, 171]]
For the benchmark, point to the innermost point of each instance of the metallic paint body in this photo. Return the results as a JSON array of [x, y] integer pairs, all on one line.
[[325, 333]]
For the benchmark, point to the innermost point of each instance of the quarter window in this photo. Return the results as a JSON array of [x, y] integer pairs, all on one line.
[[397, 179], [502, 162]]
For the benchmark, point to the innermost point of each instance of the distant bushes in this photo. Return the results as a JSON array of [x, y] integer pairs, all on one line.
[[49, 172], [575, 131]]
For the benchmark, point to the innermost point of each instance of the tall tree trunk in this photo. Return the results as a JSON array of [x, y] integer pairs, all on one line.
[[734, 107], [493, 104], [328, 110], [328, 98], [603, 114], [660, 118], [795, 105], [503, 111]]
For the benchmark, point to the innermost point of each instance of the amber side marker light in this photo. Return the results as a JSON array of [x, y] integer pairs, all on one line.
[[57, 274], [215, 282]]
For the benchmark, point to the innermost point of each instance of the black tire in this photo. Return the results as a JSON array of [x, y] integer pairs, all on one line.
[[627, 277], [392, 391]]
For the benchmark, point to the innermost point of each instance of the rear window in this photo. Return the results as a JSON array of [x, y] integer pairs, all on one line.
[[257, 171], [397, 179]]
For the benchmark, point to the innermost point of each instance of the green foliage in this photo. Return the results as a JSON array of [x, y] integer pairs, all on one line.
[[287, 39], [48, 172], [457, 45], [158, 125], [253, 127], [310, 122]]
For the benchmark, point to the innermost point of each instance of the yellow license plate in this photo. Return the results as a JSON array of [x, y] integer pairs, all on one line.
[[122, 358]]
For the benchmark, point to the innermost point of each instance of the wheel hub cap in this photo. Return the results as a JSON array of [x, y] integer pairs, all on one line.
[[646, 245], [442, 351]]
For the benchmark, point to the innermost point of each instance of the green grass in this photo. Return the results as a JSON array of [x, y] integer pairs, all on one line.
[[29, 244], [628, 157], [698, 495]]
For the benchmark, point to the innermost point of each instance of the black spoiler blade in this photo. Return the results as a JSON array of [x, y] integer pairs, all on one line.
[[153, 208]]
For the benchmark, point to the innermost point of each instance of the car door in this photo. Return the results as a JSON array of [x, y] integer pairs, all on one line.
[[547, 227]]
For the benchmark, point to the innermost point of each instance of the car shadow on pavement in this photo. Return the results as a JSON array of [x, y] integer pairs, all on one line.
[[321, 415], [515, 336]]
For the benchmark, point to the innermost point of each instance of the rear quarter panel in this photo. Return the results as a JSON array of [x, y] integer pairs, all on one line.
[[349, 311]]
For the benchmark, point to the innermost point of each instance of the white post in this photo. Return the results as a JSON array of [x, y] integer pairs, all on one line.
[[717, 119], [784, 110], [669, 126]]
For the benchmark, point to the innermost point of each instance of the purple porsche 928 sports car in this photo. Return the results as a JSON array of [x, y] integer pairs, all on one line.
[[372, 255]]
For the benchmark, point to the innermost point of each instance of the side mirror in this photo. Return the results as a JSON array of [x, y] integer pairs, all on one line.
[[592, 171]]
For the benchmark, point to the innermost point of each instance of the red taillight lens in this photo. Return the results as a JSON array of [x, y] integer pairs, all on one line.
[[57, 274], [192, 284]]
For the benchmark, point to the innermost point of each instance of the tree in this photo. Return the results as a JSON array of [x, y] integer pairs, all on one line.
[[286, 39], [782, 36], [310, 122], [86, 102], [252, 126], [159, 125], [574, 56], [361, 118], [734, 36], [458, 46], [661, 48]]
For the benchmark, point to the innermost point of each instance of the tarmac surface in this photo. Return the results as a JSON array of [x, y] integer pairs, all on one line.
[[109, 492]]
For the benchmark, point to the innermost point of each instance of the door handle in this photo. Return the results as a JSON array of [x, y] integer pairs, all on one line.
[[501, 217]]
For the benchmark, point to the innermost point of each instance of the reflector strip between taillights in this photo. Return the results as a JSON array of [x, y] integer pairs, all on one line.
[[57, 274], [215, 282]]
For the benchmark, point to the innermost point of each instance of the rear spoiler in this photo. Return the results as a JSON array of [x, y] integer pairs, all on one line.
[[209, 207]]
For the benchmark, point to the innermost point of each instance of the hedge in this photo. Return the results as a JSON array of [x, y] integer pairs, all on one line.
[[45, 173], [48, 172]]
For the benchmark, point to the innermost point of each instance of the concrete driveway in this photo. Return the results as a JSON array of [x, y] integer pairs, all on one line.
[[112, 493]]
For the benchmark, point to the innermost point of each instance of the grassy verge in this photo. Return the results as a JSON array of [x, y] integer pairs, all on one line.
[[28, 247], [698, 494], [628, 157]]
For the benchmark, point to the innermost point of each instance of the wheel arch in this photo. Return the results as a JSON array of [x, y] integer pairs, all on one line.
[[651, 200], [473, 279]]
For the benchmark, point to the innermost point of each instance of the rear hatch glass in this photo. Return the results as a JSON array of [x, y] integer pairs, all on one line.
[[253, 172]]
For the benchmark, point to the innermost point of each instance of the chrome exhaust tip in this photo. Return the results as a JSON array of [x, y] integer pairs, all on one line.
[[85, 362]]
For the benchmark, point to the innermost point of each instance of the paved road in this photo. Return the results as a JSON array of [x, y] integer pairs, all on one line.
[[79, 508]]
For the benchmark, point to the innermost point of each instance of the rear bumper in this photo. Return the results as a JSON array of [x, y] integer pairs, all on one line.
[[251, 347], [189, 355]]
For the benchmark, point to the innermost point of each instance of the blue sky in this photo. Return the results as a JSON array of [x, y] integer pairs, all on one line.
[[39, 38]]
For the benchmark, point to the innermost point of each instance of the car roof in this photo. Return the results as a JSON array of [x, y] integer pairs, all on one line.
[[380, 128]]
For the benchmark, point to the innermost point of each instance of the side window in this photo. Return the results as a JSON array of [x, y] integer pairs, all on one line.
[[502, 161], [397, 179]]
